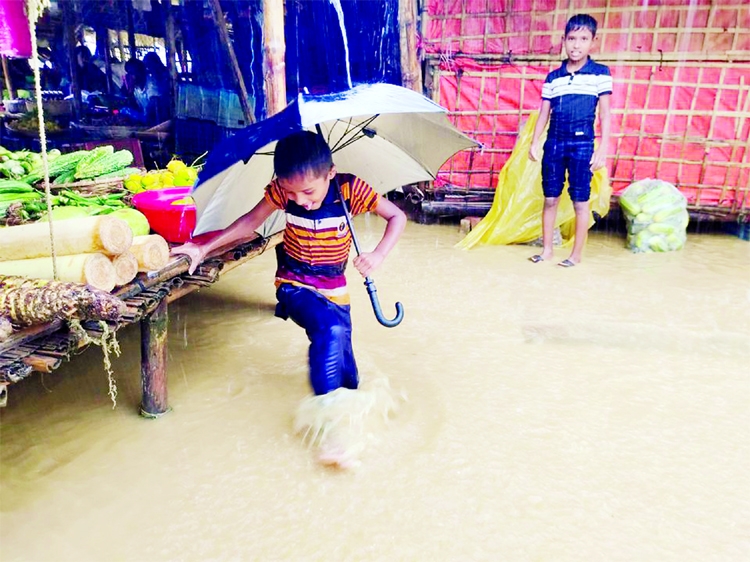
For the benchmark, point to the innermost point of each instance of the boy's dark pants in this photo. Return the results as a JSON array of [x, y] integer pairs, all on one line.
[[329, 329]]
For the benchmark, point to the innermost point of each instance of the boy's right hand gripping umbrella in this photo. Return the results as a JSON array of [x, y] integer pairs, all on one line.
[[369, 283], [386, 135]]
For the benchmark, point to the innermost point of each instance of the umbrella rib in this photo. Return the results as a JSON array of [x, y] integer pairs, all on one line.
[[356, 132], [347, 132]]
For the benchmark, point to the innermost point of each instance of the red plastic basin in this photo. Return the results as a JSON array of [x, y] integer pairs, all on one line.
[[174, 222]]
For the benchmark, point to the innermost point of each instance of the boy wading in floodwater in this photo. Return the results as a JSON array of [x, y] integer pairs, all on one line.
[[310, 281], [569, 98]]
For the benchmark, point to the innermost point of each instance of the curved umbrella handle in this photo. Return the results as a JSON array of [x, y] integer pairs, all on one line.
[[373, 292]]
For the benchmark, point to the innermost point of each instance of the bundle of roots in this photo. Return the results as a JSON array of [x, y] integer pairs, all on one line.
[[26, 302]]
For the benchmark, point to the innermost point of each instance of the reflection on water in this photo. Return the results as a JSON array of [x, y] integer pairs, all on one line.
[[592, 413]]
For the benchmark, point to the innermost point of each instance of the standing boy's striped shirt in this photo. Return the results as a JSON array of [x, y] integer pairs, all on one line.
[[317, 241], [573, 98]]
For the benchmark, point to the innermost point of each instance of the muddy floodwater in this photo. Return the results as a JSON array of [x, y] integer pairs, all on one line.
[[598, 413]]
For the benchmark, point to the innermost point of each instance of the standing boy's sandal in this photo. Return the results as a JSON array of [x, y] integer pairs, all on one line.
[[566, 263], [536, 258]]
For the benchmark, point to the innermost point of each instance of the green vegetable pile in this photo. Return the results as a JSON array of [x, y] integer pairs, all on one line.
[[656, 214], [20, 171], [23, 207]]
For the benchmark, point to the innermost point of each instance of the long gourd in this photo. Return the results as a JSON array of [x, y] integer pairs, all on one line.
[[126, 268], [152, 252], [108, 235], [95, 270]]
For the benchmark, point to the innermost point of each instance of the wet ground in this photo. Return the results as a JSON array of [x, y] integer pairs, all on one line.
[[592, 413]]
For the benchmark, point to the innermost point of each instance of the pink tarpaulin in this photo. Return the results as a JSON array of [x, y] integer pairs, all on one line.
[[15, 39], [675, 115], [685, 134]]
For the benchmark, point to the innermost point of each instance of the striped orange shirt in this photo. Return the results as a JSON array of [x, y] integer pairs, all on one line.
[[317, 242]]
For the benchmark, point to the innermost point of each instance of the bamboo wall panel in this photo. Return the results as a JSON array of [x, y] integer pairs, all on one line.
[[677, 115], [654, 30]]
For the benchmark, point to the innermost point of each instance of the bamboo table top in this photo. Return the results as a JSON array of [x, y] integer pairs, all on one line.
[[44, 347]]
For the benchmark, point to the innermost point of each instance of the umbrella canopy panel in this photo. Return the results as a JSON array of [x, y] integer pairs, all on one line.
[[387, 135]]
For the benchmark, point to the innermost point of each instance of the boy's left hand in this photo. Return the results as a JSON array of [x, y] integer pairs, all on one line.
[[599, 159], [368, 262]]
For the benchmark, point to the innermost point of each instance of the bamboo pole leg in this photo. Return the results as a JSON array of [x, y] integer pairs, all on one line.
[[411, 70], [6, 77], [171, 48], [221, 27], [154, 362], [274, 53]]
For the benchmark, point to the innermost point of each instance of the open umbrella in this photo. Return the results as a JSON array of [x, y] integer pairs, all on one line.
[[386, 135]]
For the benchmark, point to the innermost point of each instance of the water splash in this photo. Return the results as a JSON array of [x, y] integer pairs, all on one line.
[[340, 12]]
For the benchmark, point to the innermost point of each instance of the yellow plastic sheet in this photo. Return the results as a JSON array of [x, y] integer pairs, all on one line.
[[516, 213]]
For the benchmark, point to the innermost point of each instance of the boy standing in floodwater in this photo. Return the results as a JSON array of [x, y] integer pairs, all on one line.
[[569, 99], [310, 281]]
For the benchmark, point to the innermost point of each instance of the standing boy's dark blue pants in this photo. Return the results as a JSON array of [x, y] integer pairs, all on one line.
[[329, 329]]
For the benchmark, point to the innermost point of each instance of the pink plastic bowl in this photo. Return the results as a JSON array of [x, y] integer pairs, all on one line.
[[174, 222]]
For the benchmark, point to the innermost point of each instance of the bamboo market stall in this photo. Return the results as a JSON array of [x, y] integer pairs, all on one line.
[[681, 101], [97, 253], [43, 348]]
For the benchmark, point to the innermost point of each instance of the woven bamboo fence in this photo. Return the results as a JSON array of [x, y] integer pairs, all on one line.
[[681, 101]]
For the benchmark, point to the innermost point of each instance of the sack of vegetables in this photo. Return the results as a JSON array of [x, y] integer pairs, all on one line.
[[656, 215]]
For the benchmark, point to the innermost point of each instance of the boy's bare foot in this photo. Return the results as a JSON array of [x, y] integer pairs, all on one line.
[[335, 456]]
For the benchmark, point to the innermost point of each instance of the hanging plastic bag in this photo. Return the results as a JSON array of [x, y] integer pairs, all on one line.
[[516, 213], [656, 215]]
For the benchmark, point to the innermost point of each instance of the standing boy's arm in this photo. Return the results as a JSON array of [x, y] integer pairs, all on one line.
[[240, 230], [541, 123], [367, 262], [599, 159]]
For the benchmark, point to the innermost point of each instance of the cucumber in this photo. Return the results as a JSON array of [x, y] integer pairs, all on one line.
[[67, 177], [15, 186]]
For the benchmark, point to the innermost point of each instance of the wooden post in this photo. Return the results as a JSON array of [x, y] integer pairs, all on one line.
[[102, 49], [411, 70], [69, 23], [171, 47], [274, 61], [154, 362], [8, 82], [131, 30], [221, 26]]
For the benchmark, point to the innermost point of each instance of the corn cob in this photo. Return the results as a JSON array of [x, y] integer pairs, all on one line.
[[104, 165], [36, 301]]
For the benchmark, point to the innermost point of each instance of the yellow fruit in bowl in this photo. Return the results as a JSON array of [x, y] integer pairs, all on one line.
[[134, 186], [150, 179], [175, 166], [181, 178], [183, 201]]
